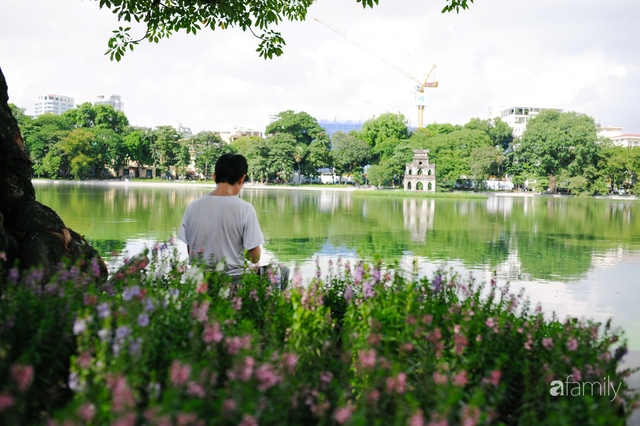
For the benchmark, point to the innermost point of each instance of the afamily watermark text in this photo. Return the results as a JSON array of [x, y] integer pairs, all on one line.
[[581, 388]]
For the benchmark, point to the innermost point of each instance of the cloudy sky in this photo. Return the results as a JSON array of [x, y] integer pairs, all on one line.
[[579, 55]]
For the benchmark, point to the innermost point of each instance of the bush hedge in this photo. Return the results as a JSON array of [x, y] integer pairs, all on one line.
[[168, 344]]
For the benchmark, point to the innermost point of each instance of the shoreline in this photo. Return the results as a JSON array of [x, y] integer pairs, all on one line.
[[341, 188]]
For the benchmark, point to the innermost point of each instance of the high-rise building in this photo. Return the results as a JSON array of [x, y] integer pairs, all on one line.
[[114, 100], [56, 104], [517, 117]]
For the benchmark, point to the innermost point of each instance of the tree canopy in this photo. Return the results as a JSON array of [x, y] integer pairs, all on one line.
[[162, 19]]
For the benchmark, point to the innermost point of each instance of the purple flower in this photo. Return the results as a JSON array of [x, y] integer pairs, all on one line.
[[148, 304], [130, 292], [376, 275], [95, 267], [122, 332], [143, 320], [103, 310], [367, 290], [358, 273], [348, 293], [134, 347], [14, 275], [437, 284]]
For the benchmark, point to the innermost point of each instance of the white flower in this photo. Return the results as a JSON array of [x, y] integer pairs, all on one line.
[[220, 266], [224, 292], [194, 274], [79, 326]]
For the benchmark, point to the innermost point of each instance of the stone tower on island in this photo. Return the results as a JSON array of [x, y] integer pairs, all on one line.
[[419, 174]]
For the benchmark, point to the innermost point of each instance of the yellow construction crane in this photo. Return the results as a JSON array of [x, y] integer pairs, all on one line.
[[420, 95]]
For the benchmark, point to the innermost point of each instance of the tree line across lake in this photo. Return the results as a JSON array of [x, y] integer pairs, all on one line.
[[557, 151]]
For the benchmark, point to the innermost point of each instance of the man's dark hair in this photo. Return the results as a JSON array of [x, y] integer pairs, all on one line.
[[230, 168]]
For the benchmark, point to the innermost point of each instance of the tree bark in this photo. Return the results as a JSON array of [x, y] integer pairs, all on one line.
[[30, 233]]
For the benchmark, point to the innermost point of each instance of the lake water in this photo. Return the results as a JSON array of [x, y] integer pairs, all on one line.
[[578, 257]]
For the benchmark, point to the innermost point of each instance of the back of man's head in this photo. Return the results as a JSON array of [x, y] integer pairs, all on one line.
[[230, 168]]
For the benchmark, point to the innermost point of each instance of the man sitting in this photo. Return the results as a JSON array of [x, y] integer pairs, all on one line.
[[220, 226]]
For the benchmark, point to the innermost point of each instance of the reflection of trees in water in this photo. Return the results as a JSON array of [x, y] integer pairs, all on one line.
[[547, 238]]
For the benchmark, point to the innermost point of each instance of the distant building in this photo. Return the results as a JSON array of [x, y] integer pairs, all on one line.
[[345, 126], [420, 175], [627, 141], [239, 132], [56, 104], [614, 133], [185, 132], [609, 131], [114, 100], [517, 117]]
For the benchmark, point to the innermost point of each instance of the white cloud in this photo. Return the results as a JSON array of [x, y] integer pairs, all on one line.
[[573, 55]]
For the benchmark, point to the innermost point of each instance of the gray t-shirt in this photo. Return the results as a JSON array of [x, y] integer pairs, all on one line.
[[220, 227]]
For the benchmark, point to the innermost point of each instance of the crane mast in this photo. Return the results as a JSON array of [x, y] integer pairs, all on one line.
[[420, 95]]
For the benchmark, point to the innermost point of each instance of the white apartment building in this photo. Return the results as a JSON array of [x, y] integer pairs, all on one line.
[[614, 133], [627, 141], [114, 100], [517, 117], [608, 131], [56, 104]]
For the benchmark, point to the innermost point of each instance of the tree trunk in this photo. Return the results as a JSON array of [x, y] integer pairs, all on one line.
[[30, 233]]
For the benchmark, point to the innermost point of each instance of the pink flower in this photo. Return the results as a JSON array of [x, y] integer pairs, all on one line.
[[374, 395], [407, 347], [401, 381], [572, 344], [22, 375], [495, 377], [577, 375], [326, 377], [439, 378], [289, 361], [195, 389], [122, 396], [84, 360], [246, 369], [478, 338], [128, 419], [456, 328], [460, 343], [342, 414], [199, 311], [212, 333], [461, 379], [367, 359], [236, 303], [417, 419], [490, 322], [297, 279], [179, 373], [427, 319], [248, 420], [6, 401], [470, 416], [86, 412], [202, 287], [266, 377], [186, 419], [229, 405]]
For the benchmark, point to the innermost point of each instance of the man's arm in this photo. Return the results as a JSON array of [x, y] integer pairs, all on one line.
[[253, 255]]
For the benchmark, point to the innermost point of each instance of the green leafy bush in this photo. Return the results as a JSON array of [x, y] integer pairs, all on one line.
[[359, 344]]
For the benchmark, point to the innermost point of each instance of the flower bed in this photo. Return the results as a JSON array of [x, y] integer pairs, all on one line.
[[164, 345]]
